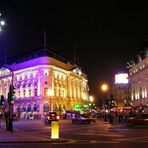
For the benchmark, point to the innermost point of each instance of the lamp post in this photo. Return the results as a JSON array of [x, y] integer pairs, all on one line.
[[50, 94], [2, 23], [91, 99], [105, 90]]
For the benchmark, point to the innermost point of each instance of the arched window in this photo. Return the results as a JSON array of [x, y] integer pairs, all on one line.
[[34, 108], [29, 108], [23, 108]]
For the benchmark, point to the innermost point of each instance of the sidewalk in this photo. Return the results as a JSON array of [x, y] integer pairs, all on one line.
[[24, 137], [20, 136]]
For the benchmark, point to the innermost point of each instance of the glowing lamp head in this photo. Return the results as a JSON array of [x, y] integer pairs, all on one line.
[[91, 98], [2, 23], [104, 87]]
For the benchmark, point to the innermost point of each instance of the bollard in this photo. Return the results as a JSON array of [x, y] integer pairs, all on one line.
[[54, 130]]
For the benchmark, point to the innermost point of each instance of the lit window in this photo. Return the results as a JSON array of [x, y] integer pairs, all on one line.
[[35, 92], [55, 74], [34, 74], [23, 76], [18, 78], [45, 91], [19, 94], [24, 93], [64, 77], [29, 93], [46, 73], [28, 75]]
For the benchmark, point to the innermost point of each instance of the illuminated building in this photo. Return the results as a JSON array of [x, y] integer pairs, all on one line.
[[121, 90], [43, 81], [138, 70]]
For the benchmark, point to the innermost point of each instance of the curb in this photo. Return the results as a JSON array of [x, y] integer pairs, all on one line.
[[43, 141]]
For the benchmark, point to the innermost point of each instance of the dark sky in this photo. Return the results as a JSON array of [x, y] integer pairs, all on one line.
[[105, 34]]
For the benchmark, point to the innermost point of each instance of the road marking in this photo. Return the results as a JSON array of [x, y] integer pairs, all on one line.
[[101, 134], [134, 139], [91, 141]]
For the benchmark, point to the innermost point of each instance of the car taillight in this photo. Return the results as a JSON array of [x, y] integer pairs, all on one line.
[[58, 117]]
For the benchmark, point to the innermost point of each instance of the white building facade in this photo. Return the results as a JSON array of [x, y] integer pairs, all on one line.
[[139, 80], [43, 82]]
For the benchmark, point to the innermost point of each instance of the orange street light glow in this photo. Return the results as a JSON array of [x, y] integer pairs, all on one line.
[[104, 87]]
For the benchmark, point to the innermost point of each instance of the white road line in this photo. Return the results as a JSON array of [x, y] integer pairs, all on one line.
[[101, 134]]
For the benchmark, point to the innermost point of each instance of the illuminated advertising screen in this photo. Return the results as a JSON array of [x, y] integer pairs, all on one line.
[[121, 78]]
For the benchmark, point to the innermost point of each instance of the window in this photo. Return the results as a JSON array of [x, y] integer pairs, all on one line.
[[19, 94], [46, 73], [35, 92], [24, 93], [29, 93], [34, 74], [45, 92]]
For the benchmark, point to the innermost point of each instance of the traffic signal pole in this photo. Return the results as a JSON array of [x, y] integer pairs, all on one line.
[[9, 116], [11, 101]]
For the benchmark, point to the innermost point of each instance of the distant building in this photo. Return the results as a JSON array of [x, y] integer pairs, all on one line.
[[121, 90], [43, 81], [138, 70]]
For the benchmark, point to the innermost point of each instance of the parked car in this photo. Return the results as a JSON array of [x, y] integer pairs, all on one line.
[[51, 116], [83, 118], [139, 119]]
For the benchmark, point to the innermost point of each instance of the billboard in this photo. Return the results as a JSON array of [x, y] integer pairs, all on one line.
[[121, 78]]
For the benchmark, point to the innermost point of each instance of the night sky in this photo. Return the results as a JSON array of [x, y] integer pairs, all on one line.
[[104, 34]]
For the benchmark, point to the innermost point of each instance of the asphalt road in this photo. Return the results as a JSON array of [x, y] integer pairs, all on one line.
[[100, 134]]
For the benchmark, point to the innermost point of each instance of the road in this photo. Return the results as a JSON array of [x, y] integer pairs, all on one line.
[[100, 134]]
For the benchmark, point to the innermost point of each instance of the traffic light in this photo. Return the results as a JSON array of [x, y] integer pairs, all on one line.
[[11, 93], [2, 100]]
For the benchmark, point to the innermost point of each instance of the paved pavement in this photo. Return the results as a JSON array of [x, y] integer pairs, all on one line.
[[21, 136]]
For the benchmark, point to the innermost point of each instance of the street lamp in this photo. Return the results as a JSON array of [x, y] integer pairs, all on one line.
[[105, 90], [91, 99], [2, 23], [104, 87], [50, 94]]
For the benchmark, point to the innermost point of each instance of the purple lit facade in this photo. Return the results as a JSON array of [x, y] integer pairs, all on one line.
[[44, 82]]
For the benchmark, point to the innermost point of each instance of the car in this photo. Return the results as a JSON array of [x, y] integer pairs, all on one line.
[[139, 119], [83, 118], [51, 116]]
